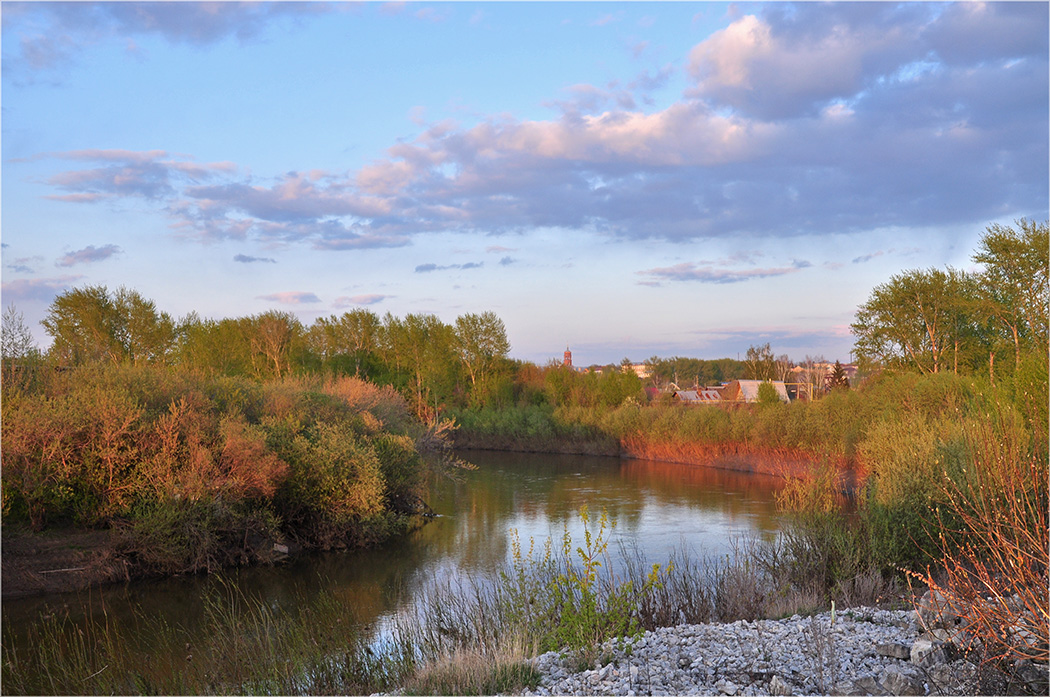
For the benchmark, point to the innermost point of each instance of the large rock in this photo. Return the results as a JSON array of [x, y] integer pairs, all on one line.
[[894, 650], [898, 683], [937, 610], [929, 651]]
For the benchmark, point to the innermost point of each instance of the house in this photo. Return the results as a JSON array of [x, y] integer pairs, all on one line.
[[704, 395], [747, 390]]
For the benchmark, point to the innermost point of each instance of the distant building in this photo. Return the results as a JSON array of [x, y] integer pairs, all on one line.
[[567, 361], [641, 370], [747, 390], [704, 395]]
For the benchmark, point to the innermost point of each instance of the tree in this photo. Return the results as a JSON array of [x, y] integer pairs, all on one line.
[[272, 337], [1014, 284], [16, 341], [767, 394], [837, 378], [90, 324], [353, 335], [915, 319], [83, 326], [760, 363], [144, 334], [422, 347], [481, 340]]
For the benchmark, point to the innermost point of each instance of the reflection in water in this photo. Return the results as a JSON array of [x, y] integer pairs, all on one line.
[[655, 507]]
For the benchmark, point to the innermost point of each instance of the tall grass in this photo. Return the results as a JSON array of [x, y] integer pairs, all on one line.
[[245, 646]]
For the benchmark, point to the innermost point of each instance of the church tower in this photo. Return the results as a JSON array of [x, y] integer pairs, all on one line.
[[568, 358]]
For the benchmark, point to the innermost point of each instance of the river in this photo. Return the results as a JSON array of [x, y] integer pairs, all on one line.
[[658, 508]]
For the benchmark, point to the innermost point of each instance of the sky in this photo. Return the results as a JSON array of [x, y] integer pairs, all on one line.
[[624, 179]]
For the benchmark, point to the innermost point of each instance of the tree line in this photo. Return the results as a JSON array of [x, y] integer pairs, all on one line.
[[934, 320], [430, 361]]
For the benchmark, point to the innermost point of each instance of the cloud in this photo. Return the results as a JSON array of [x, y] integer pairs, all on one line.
[[610, 18], [88, 255], [801, 120], [863, 258], [153, 175], [507, 261], [22, 264], [291, 298], [370, 299], [245, 259], [43, 289], [711, 274], [50, 36], [793, 59], [427, 268]]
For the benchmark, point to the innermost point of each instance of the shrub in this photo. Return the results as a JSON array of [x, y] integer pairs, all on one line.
[[998, 578]]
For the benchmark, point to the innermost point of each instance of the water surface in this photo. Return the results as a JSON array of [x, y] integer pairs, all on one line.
[[655, 507]]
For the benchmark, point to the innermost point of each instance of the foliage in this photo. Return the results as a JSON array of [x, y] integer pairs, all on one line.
[[767, 394], [694, 371], [195, 470], [918, 319], [997, 578], [933, 320], [760, 363], [91, 324]]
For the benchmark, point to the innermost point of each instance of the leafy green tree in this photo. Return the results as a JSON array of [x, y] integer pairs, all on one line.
[[353, 338], [212, 346], [918, 319], [423, 350], [146, 336], [90, 325], [767, 394], [82, 323], [1014, 284], [481, 341]]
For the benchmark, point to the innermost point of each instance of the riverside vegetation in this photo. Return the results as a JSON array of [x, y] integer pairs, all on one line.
[[949, 446]]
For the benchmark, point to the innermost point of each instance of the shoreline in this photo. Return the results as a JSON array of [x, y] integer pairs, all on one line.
[[69, 559]]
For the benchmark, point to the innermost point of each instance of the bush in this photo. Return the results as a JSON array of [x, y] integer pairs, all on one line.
[[182, 462]]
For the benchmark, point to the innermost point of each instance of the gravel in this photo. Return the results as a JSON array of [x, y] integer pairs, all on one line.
[[863, 651]]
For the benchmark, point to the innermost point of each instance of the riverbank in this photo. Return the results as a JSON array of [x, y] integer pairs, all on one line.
[[58, 561]]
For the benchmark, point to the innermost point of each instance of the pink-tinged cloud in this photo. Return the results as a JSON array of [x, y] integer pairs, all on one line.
[[771, 69], [44, 289], [88, 255], [78, 198], [803, 119], [711, 274], [291, 298], [348, 301]]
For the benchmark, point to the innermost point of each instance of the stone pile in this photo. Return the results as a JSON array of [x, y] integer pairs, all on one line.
[[857, 652]]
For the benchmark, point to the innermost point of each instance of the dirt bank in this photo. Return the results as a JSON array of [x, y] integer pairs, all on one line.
[[58, 561]]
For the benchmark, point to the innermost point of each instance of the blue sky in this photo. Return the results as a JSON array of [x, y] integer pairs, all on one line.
[[628, 179]]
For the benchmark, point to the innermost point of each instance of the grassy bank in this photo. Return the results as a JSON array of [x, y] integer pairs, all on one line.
[[199, 472]]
